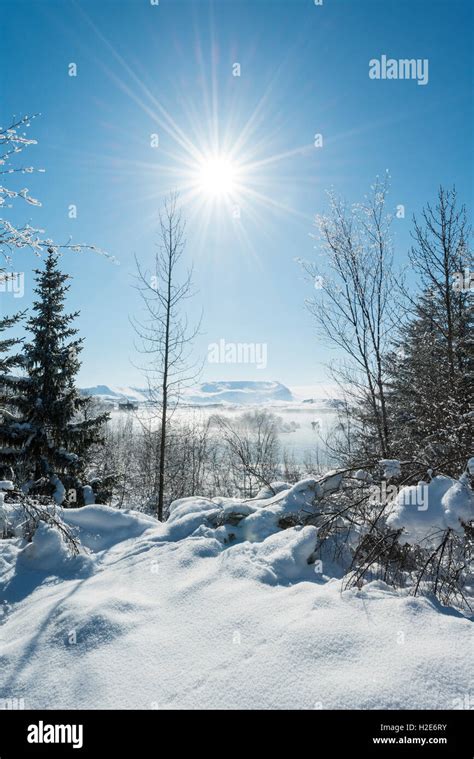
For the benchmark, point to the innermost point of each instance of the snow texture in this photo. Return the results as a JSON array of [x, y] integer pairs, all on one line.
[[219, 608]]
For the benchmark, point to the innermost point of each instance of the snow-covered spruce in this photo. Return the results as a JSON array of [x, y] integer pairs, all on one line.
[[48, 427]]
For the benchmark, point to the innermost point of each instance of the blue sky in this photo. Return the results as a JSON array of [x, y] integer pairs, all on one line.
[[168, 70]]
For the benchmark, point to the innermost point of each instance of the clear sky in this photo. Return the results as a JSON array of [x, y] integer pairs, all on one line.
[[168, 70]]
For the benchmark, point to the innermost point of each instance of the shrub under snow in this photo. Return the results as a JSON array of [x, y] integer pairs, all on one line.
[[423, 510]]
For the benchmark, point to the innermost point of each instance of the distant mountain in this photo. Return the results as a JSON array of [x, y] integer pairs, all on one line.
[[116, 393], [240, 393], [232, 393], [243, 393]]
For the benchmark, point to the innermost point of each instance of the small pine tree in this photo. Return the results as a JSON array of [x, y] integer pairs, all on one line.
[[56, 426]]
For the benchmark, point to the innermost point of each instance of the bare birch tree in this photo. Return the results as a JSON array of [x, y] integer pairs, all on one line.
[[353, 307], [164, 334]]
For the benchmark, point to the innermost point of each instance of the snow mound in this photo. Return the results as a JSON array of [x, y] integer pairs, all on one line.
[[45, 551], [423, 510], [99, 527], [253, 520], [48, 554], [279, 558], [221, 608], [273, 489]]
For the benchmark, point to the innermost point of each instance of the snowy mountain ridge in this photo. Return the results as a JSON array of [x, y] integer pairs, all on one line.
[[208, 393], [232, 392], [116, 393]]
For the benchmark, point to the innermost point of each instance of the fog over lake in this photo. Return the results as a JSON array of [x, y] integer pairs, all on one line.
[[302, 428]]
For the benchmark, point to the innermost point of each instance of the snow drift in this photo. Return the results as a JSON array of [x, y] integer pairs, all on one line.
[[217, 608], [425, 509]]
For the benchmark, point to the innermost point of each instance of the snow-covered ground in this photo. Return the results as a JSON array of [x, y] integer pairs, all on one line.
[[207, 611]]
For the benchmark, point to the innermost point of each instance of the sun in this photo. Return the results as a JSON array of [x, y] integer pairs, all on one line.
[[217, 177]]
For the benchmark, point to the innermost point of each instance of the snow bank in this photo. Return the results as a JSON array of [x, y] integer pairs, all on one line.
[[47, 553], [280, 558], [425, 509], [269, 492], [99, 527], [253, 520], [220, 608]]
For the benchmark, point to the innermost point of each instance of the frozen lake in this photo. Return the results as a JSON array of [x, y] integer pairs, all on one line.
[[302, 428]]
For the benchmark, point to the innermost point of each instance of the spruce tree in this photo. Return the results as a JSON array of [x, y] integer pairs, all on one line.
[[417, 393], [432, 385], [57, 428], [8, 360], [429, 404]]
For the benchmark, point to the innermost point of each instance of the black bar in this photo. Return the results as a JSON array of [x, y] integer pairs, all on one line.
[[112, 733]]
